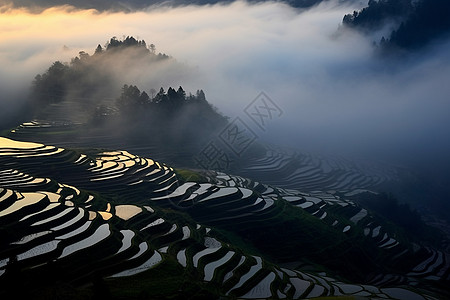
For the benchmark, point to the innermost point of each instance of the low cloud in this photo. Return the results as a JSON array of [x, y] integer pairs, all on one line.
[[336, 94]]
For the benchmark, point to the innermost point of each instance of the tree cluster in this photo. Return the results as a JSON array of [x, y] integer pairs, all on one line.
[[429, 21], [50, 87], [172, 117], [86, 74], [377, 12], [88, 90], [170, 104], [132, 98], [127, 42], [419, 22]]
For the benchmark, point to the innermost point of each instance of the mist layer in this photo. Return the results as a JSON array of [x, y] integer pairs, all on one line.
[[336, 94]]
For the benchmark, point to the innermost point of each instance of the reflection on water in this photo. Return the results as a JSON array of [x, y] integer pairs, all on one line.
[[88, 235], [126, 241], [27, 200], [181, 257], [11, 144], [262, 290], [39, 250], [212, 266], [154, 260], [250, 273], [100, 234]]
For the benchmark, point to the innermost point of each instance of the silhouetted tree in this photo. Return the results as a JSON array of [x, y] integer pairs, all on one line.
[[171, 93], [181, 93], [128, 42], [99, 49], [144, 98], [377, 12], [130, 97], [113, 43], [50, 87], [420, 21], [83, 55], [201, 96], [160, 97]]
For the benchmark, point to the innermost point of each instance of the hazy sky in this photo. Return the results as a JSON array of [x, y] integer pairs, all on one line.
[[335, 94]]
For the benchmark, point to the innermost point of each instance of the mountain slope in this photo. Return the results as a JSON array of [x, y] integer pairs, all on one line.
[[101, 217], [418, 23]]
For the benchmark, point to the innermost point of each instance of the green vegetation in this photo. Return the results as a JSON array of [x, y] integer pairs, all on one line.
[[82, 238], [90, 82], [185, 175], [168, 280], [88, 99], [89, 75], [387, 207]]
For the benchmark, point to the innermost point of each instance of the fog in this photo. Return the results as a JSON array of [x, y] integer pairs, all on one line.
[[336, 94]]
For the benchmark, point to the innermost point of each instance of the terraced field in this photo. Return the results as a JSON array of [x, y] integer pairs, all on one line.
[[294, 169], [77, 217], [291, 169]]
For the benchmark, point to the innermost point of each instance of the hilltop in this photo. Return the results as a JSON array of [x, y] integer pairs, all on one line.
[[416, 24], [92, 97]]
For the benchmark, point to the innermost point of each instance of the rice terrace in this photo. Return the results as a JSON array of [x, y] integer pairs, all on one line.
[[118, 215], [280, 150]]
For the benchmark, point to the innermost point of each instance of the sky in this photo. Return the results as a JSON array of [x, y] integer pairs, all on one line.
[[336, 94]]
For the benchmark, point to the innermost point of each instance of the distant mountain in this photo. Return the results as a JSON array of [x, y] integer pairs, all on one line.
[[418, 22]]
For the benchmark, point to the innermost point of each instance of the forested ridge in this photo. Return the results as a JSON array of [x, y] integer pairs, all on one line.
[[418, 23], [87, 74], [95, 90], [88, 80]]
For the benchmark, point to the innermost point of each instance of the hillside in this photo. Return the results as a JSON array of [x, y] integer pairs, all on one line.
[[95, 101], [416, 23], [88, 209], [113, 223]]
